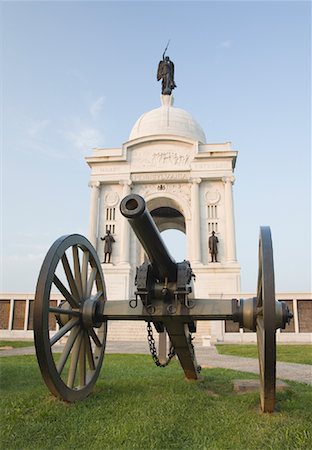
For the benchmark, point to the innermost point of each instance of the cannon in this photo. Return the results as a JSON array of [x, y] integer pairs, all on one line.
[[70, 358]]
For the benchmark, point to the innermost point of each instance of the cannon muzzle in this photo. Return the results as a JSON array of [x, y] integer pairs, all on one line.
[[133, 207]]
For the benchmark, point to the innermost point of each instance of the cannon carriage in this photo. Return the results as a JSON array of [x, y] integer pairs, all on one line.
[[164, 297]]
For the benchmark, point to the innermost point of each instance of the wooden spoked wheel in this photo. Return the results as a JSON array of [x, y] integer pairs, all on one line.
[[266, 322], [70, 335]]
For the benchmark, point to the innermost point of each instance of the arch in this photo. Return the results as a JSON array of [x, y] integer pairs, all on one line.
[[168, 211], [168, 214], [176, 243], [169, 200], [168, 218]]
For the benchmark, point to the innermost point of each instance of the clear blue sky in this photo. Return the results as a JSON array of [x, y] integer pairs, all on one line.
[[78, 75]]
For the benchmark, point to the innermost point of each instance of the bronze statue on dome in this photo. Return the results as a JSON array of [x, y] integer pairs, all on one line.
[[165, 73]]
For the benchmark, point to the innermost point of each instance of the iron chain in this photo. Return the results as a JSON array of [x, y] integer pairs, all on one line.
[[152, 346]]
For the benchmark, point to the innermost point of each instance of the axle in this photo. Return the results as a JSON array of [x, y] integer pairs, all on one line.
[[201, 309], [243, 312]]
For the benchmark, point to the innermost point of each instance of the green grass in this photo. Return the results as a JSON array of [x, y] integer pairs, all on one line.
[[300, 354], [136, 405], [16, 344]]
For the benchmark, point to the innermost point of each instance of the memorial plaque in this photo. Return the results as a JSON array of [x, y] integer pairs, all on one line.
[[4, 314], [305, 316], [19, 314]]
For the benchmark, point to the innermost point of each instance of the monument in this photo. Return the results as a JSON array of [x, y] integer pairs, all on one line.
[[171, 188], [187, 184]]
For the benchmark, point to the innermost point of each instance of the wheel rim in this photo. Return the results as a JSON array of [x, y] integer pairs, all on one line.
[[72, 268], [266, 322]]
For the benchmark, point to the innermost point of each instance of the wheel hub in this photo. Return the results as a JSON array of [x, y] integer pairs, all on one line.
[[248, 311], [63, 319], [92, 310]]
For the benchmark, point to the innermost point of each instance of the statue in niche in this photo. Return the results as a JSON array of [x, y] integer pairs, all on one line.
[[165, 73], [108, 246], [213, 246]]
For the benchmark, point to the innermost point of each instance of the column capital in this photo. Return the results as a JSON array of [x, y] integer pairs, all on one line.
[[230, 179], [125, 182], [94, 184], [195, 180]]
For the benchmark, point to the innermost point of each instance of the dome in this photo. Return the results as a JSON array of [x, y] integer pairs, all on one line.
[[167, 120]]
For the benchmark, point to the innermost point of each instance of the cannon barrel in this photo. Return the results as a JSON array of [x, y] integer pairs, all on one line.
[[133, 207]]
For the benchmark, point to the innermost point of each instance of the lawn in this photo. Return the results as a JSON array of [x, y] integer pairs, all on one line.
[[16, 344], [136, 405], [301, 354]]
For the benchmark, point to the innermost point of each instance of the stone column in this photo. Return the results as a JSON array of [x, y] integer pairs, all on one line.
[[229, 219], [296, 317], [125, 229], [11, 314], [94, 212], [195, 221], [26, 316]]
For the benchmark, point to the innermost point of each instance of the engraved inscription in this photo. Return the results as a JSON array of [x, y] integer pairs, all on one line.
[[160, 158], [170, 158], [211, 165], [107, 169], [172, 176]]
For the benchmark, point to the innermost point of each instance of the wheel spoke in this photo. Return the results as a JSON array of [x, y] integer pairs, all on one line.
[[77, 270], [259, 294], [260, 344], [69, 325], [67, 349], [95, 338], [71, 300], [97, 295], [74, 361], [84, 272], [70, 278], [89, 352], [91, 281], [82, 362], [69, 312]]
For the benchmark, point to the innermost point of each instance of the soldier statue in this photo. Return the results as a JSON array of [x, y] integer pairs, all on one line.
[[108, 248], [165, 73], [213, 247]]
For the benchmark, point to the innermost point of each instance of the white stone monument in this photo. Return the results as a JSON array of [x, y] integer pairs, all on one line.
[[187, 184]]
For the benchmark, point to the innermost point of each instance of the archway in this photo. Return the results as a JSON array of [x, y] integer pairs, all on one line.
[[171, 223], [175, 241]]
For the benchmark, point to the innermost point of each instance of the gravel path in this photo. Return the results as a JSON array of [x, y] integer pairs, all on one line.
[[206, 357]]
